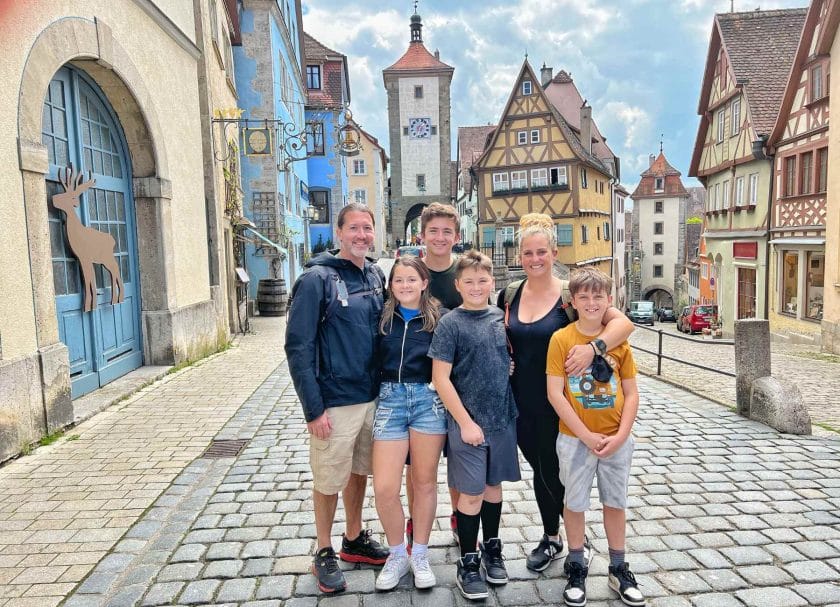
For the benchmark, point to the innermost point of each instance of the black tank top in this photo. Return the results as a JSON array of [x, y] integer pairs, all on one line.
[[530, 348]]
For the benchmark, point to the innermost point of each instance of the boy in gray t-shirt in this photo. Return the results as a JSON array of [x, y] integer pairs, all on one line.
[[470, 371]]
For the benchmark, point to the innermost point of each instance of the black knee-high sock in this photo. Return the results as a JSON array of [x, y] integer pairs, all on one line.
[[467, 531], [491, 514]]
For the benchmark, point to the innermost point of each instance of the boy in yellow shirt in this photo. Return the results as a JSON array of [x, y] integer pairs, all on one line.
[[596, 411]]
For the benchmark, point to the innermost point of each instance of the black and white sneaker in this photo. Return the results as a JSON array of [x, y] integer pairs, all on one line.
[[493, 562], [546, 551], [622, 580], [574, 594], [468, 578]]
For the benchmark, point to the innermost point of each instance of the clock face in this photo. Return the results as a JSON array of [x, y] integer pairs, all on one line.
[[419, 128]]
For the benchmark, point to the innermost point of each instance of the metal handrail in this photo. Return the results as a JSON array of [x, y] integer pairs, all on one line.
[[660, 356]]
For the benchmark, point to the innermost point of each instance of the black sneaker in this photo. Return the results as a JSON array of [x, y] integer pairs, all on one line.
[[468, 578], [575, 592], [623, 581], [326, 571], [493, 562], [363, 550], [546, 551]]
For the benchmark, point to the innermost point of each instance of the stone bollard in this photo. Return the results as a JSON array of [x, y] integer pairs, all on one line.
[[779, 404], [752, 358]]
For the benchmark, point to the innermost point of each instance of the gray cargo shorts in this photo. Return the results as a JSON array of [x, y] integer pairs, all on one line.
[[579, 467]]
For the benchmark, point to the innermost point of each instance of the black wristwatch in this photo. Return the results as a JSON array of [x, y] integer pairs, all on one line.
[[600, 346]]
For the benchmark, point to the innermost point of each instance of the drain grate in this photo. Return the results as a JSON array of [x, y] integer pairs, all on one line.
[[224, 448]]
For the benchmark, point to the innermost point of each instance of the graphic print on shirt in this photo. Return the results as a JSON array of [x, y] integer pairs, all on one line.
[[593, 394]]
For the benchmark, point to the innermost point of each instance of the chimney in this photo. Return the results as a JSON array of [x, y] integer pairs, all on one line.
[[652, 159], [586, 126], [437, 54], [546, 74]]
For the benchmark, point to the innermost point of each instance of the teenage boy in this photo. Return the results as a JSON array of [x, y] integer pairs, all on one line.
[[470, 365], [331, 338], [597, 410]]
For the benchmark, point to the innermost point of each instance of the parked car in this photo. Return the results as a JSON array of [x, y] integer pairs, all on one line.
[[641, 312], [415, 250], [697, 317], [666, 315]]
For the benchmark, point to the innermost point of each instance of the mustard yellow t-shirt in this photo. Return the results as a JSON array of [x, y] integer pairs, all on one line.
[[597, 404]]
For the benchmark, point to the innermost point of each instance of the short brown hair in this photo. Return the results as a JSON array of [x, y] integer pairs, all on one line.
[[351, 207], [590, 279], [436, 209], [475, 260]]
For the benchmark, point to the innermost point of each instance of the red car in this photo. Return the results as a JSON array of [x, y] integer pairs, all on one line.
[[697, 317]]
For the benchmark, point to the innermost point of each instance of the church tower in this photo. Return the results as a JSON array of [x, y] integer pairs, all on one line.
[[419, 131]]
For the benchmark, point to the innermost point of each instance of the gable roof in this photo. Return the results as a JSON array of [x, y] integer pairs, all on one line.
[[660, 168], [331, 88], [418, 57], [315, 51]]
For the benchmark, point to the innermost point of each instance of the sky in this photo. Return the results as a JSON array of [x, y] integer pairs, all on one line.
[[639, 63]]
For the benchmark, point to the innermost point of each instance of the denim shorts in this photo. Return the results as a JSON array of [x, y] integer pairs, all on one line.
[[404, 406]]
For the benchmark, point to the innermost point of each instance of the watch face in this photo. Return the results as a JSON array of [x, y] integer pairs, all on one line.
[[419, 128]]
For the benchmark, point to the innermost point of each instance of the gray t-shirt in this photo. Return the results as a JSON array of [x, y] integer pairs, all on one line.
[[474, 341]]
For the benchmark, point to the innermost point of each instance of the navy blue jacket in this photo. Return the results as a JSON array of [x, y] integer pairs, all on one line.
[[403, 351], [331, 348]]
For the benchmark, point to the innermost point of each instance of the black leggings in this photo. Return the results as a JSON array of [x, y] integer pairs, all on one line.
[[537, 439]]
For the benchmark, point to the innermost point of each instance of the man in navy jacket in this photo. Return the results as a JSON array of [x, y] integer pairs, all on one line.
[[331, 337]]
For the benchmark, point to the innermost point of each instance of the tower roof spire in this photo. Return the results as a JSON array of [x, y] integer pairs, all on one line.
[[416, 26]]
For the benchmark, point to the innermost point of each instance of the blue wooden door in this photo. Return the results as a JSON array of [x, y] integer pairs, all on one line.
[[79, 128]]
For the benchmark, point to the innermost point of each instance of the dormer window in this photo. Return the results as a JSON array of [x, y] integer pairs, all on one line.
[[526, 87], [659, 184], [313, 77]]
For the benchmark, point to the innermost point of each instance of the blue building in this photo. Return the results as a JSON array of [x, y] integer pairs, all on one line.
[[271, 88], [328, 88]]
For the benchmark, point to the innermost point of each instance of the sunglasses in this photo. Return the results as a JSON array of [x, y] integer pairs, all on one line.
[[601, 369]]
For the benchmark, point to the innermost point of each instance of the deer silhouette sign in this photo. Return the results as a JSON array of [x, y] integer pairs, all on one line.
[[88, 245]]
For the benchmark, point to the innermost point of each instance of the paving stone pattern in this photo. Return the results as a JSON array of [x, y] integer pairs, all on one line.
[[724, 512]]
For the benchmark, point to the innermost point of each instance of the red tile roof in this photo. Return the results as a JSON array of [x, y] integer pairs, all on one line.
[[659, 168], [417, 57], [471, 142]]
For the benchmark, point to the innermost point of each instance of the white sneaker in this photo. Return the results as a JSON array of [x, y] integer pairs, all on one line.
[[392, 571], [424, 577]]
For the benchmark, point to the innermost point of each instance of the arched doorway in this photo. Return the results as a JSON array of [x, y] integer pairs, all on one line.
[[412, 216], [80, 128], [661, 298]]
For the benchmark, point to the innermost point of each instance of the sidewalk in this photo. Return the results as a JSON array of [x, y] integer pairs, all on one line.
[[724, 511]]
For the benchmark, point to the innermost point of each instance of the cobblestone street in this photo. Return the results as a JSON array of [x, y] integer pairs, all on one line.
[[724, 511]]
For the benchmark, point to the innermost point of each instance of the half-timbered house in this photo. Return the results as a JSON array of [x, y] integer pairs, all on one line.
[[749, 59]]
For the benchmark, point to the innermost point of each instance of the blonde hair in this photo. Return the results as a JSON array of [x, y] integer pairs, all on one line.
[[590, 279], [437, 209], [475, 260], [533, 224], [428, 304]]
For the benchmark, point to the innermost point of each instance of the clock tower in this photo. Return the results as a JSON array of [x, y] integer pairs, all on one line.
[[418, 120]]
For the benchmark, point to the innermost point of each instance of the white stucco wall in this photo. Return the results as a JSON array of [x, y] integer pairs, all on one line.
[[670, 217], [420, 156]]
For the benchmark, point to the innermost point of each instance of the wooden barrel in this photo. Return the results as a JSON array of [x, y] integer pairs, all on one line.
[[272, 297]]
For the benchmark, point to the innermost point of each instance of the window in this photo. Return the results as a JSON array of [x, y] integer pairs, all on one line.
[[735, 119], [264, 207], [583, 181], [521, 137], [704, 270], [659, 227], [507, 235], [658, 206], [500, 182], [518, 179], [535, 136], [607, 232], [421, 182], [739, 191], [816, 83], [658, 248], [815, 273], [753, 189], [320, 201], [746, 293], [584, 234], [526, 87], [717, 196], [557, 176], [360, 196], [721, 125], [822, 168], [359, 167], [434, 130], [539, 178], [315, 138], [659, 184], [790, 282], [725, 187], [418, 91], [313, 76], [564, 234], [805, 173], [790, 176], [657, 271]]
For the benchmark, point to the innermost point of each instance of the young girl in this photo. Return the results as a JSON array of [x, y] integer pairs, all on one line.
[[409, 417]]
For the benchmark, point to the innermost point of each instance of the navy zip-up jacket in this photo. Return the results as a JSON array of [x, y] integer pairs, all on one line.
[[332, 348], [403, 351]]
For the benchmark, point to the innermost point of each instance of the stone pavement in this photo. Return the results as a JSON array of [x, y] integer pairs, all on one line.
[[724, 511], [817, 380]]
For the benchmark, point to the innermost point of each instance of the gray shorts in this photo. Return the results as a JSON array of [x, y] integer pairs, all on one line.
[[470, 469], [579, 466]]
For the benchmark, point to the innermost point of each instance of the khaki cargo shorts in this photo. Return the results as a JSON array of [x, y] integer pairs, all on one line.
[[348, 449]]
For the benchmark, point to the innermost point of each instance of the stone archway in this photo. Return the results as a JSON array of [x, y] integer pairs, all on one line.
[[90, 46], [661, 296], [413, 213]]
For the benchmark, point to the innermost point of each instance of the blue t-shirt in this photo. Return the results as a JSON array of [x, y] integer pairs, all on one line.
[[408, 313]]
